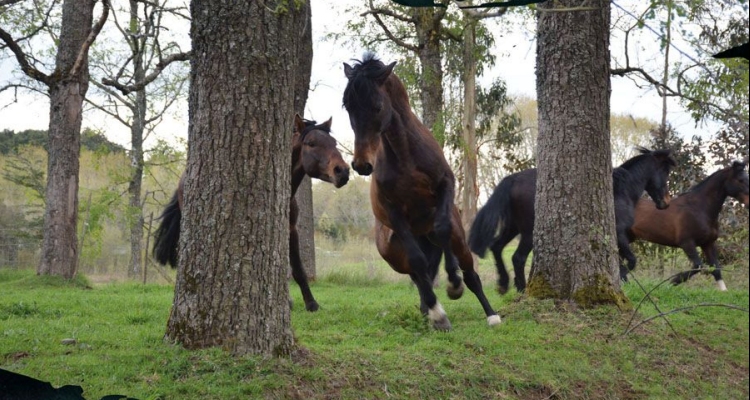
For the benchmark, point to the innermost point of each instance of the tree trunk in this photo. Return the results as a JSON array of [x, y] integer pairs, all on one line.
[[575, 256], [60, 248], [305, 221], [470, 191], [137, 129], [231, 288], [431, 80]]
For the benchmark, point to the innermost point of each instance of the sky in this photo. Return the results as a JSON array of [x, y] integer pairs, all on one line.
[[515, 64]]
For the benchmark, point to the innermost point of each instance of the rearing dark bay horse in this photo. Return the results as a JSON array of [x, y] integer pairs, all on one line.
[[314, 154], [412, 187], [510, 211], [692, 219]]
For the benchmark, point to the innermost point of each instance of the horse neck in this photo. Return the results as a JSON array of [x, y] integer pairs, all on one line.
[[635, 182], [298, 172], [401, 131], [713, 191]]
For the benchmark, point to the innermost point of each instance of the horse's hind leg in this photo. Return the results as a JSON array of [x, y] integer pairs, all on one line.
[[503, 279], [443, 234], [519, 261], [471, 278], [711, 253], [693, 255]]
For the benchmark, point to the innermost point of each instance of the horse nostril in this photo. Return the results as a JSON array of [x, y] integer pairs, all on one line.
[[363, 168]]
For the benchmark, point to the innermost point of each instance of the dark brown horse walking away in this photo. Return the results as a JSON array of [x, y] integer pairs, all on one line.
[[692, 219], [314, 153], [412, 187], [510, 211]]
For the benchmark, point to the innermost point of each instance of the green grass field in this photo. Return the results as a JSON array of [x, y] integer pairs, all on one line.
[[370, 341]]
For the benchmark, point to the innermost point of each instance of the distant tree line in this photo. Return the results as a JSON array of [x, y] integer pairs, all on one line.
[[93, 140]]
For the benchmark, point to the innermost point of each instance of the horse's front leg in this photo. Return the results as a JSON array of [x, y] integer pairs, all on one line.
[[298, 272], [419, 267], [712, 255], [692, 253], [626, 256]]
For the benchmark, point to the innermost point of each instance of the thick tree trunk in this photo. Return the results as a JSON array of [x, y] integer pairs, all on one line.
[[60, 245], [305, 221], [429, 26], [231, 288], [470, 191], [137, 130], [575, 255]]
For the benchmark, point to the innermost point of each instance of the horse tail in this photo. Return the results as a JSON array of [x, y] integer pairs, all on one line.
[[168, 234], [490, 218]]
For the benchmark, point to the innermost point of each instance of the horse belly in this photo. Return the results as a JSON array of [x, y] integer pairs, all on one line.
[[657, 226]]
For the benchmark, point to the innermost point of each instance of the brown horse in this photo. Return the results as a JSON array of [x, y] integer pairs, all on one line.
[[509, 212], [412, 187], [692, 219], [314, 154]]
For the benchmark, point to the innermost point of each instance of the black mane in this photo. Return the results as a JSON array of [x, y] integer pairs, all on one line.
[[361, 83]]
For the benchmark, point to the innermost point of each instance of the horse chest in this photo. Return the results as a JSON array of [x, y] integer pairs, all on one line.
[[412, 200]]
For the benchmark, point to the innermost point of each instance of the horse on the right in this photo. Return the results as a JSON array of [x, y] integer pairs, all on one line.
[[692, 219]]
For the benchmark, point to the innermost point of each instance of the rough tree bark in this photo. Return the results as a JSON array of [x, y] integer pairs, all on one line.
[[575, 256], [231, 288], [305, 221], [67, 90]]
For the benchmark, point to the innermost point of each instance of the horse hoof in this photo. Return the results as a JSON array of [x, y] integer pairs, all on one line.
[[502, 289], [312, 306], [455, 293], [442, 325], [439, 319], [493, 320], [721, 285]]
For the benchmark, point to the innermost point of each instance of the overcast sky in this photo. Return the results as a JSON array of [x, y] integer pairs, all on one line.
[[515, 64]]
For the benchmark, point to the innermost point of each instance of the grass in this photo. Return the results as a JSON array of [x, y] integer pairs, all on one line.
[[370, 341]]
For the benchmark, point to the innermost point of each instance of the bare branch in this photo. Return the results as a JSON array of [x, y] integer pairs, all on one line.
[[390, 34], [84, 51], [126, 89], [686, 308], [21, 57]]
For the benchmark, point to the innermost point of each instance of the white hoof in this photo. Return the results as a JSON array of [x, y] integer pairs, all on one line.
[[721, 285], [493, 320]]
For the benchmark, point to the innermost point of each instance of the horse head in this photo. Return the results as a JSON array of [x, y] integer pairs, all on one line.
[[367, 100], [319, 156], [657, 186], [738, 184]]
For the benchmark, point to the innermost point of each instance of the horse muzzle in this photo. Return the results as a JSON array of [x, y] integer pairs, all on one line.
[[362, 168], [663, 203], [341, 176]]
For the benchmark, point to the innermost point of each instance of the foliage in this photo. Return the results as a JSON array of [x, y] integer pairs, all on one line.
[[369, 341], [343, 213], [93, 140]]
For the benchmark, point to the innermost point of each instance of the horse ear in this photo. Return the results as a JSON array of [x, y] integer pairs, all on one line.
[[299, 123], [385, 73], [327, 124], [738, 166], [348, 71]]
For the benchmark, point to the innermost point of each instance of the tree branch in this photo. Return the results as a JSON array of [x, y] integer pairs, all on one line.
[[21, 57], [126, 89], [84, 51]]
